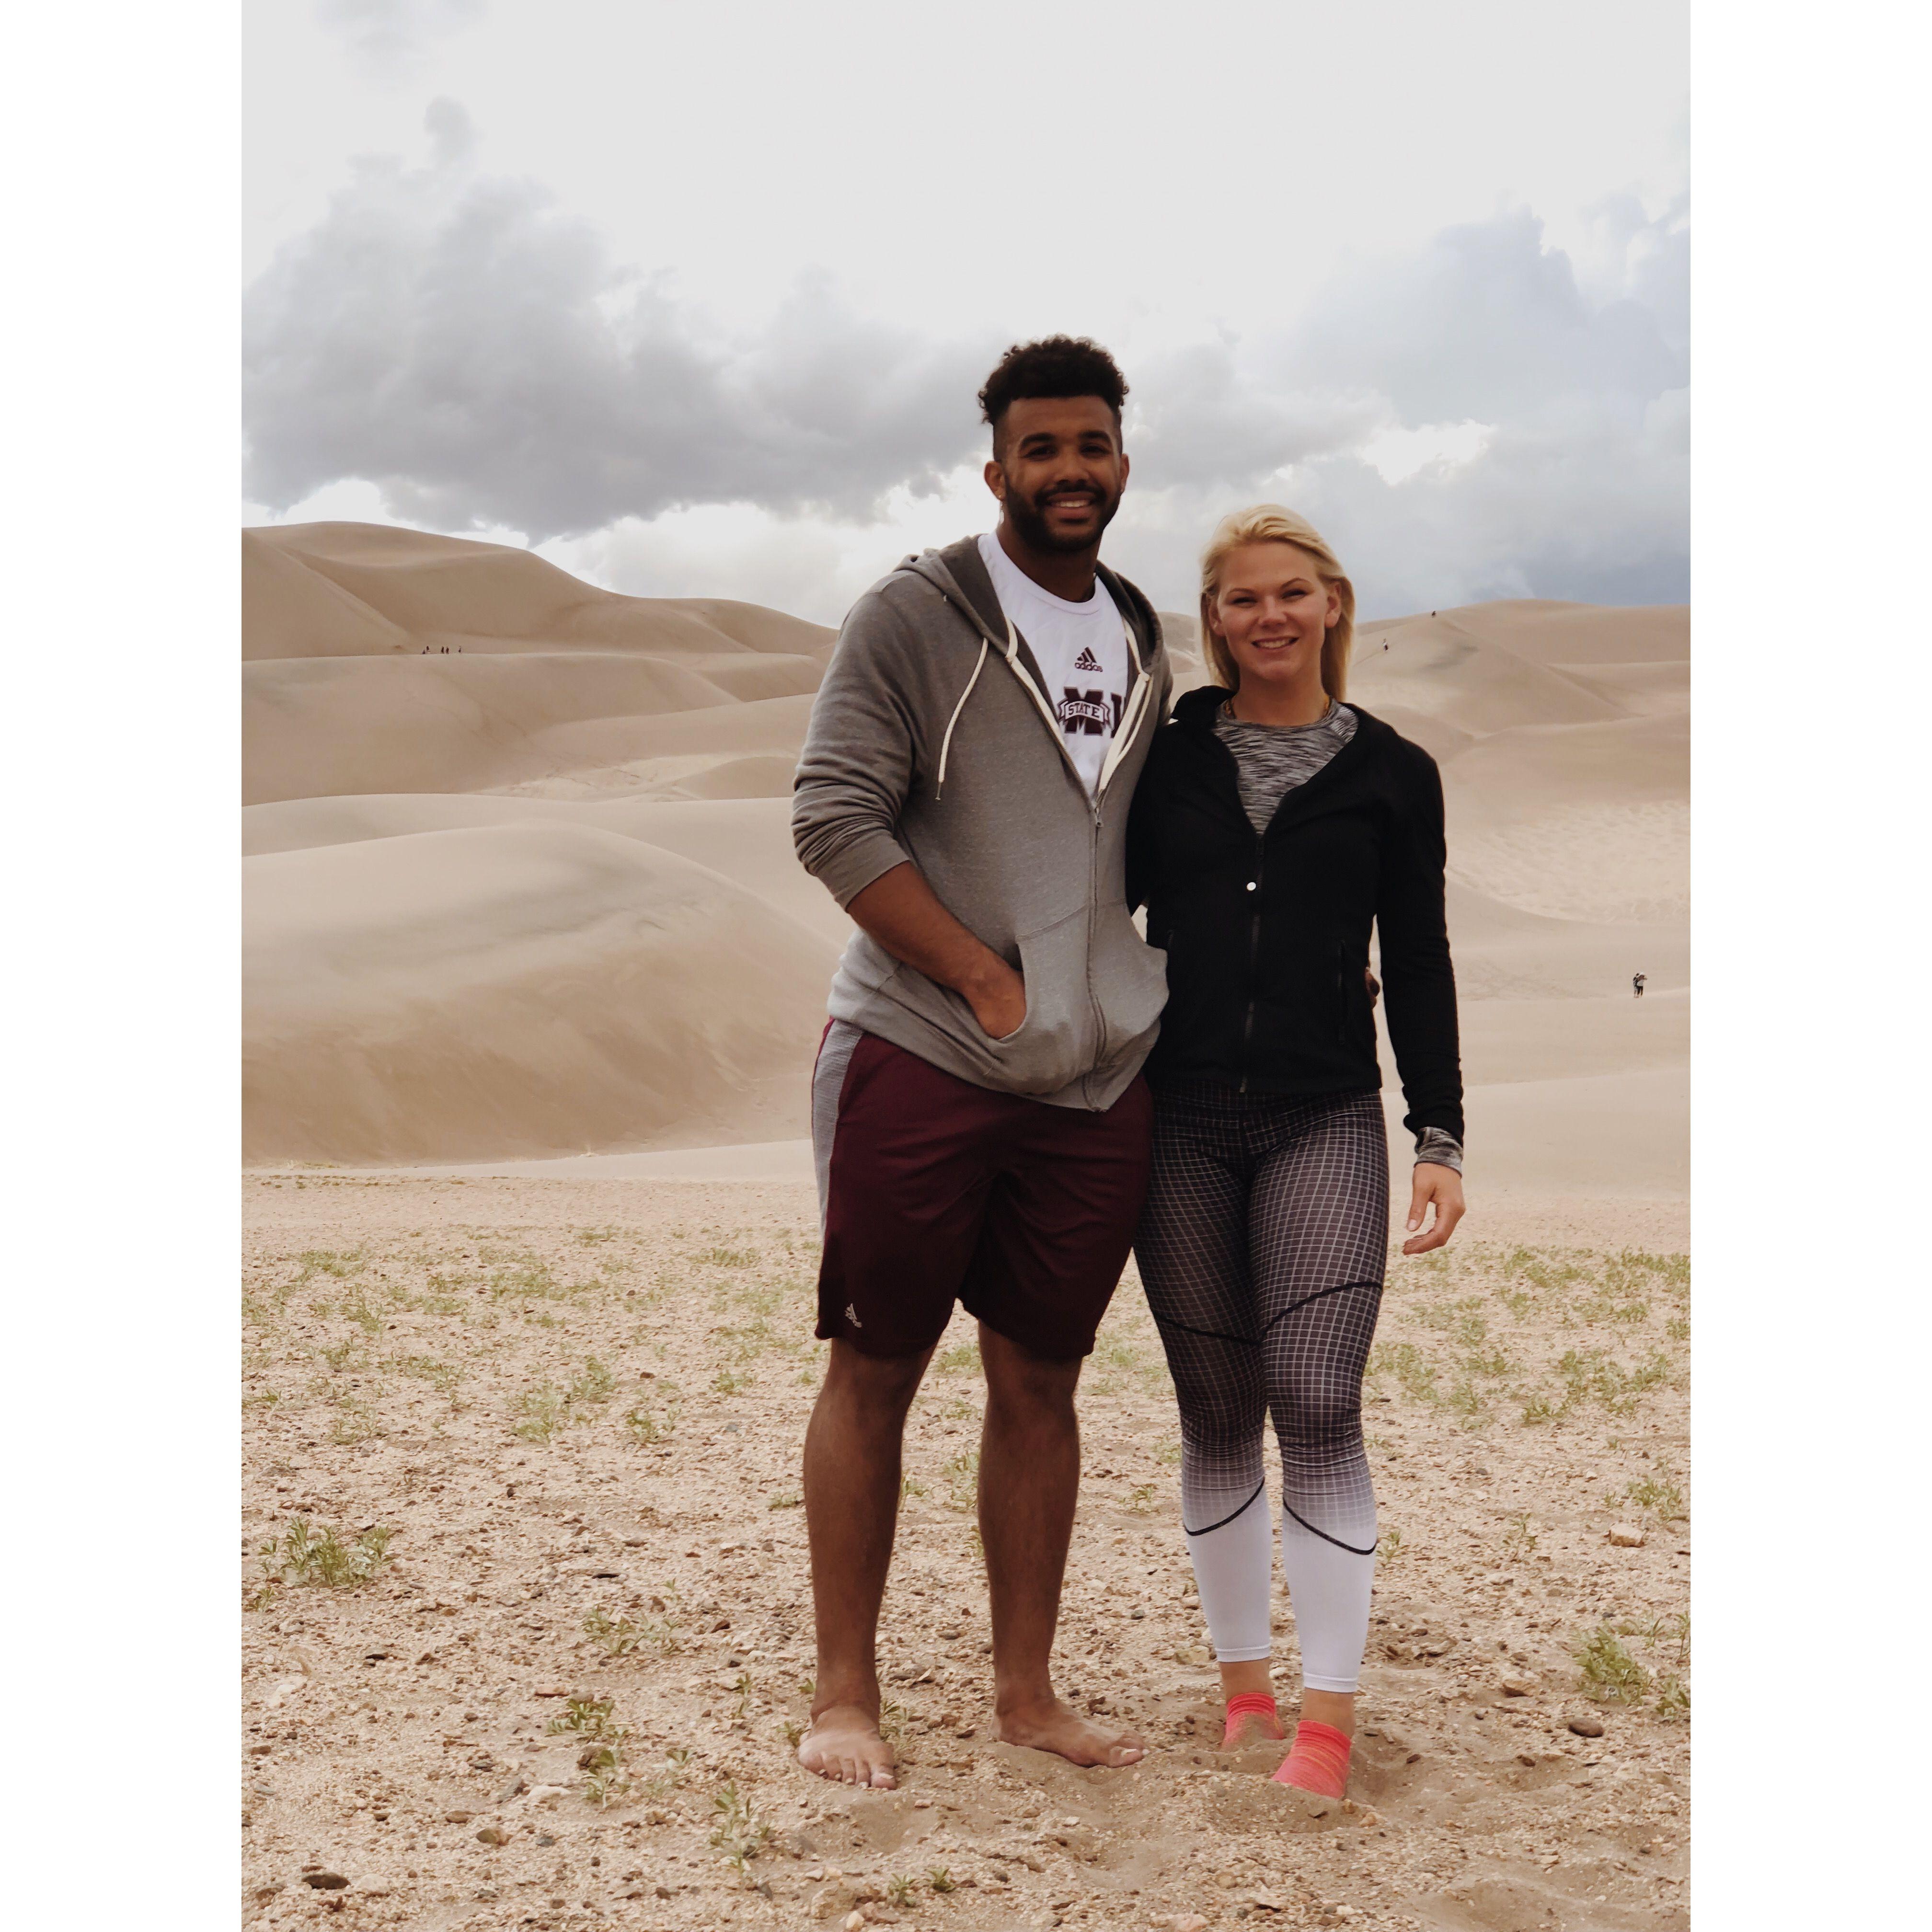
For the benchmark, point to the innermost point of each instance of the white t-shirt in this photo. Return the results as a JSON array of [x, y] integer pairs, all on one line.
[[1082, 652]]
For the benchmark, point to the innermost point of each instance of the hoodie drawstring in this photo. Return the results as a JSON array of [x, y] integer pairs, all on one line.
[[946, 743]]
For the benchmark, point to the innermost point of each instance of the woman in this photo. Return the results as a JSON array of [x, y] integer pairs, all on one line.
[[1273, 826]]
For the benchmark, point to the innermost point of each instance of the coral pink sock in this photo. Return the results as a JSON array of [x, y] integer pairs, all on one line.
[[1318, 1763], [1248, 1704]]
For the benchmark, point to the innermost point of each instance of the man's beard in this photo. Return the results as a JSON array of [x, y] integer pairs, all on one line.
[[1029, 519]]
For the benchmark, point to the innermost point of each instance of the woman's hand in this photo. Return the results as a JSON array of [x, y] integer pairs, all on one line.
[[1444, 1186]]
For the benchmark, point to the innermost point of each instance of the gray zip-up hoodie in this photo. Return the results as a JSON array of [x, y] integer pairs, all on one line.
[[933, 739]]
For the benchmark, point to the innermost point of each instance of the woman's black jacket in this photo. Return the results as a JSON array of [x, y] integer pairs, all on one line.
[[1267, 934]]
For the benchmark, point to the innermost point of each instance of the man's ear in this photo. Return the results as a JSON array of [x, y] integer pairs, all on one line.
[[996, 478]]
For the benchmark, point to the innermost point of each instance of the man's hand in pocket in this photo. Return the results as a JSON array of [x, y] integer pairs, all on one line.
[[998, 999]]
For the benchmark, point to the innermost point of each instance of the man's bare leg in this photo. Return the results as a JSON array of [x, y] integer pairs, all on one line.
[[852, 1449], [1029, 1484]]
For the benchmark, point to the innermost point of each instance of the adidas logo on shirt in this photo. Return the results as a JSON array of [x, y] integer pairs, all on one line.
[[1087, 661]]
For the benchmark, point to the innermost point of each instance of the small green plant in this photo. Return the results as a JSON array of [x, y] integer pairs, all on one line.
[[589, 1717], [542, 1410], [594, 1383], [793, 1729], [1388, 1545], [365, 1317], [1144, 1498], [961, 1361], [344, 1266], [1519, 1538], [1539, 1409], [355, 1422], [609, 1784], [741, 1690], [910, 1486], [647, 1427], [941, 1880], [321, 1558], [1664, 1501], [728, 1381], [727, 1258], [1673, 1700], [617, 1639], [1408, 1365], [443, 1375], [1610, 1674], [740, 1832], [788, 1501], [962, 1480], [901, 1892]]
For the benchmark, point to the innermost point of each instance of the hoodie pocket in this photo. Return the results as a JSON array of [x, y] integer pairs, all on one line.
[[1056, 1041]]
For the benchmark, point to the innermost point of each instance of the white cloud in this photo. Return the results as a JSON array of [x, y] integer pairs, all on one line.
[[389, 38], [1396, 453]]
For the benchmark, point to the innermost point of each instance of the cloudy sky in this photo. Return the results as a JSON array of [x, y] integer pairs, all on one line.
[[695, 300]]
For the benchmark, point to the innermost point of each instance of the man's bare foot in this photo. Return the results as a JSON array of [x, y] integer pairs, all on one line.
[[1053, 1727], [845, 1745]]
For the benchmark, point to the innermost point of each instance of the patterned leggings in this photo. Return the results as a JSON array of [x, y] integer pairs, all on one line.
[[1262, 1247]]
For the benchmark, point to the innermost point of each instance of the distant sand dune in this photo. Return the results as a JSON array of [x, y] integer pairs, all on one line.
[[537, 899], [533, 989], [749, 840]]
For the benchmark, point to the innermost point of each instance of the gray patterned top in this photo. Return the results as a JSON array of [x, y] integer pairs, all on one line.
[[1271, 760]]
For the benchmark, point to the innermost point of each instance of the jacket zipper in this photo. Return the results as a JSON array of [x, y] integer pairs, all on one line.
[[1254, 955]]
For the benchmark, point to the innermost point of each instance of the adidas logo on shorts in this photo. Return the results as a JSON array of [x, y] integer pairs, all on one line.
[[1087, 661], [852, 1316]]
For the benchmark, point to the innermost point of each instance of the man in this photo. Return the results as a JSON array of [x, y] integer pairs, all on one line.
[[980, 1124], [1636, 985]]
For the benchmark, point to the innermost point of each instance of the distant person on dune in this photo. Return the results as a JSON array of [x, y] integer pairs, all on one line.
[[979, 1118], [1637, 985], [1273, 828]]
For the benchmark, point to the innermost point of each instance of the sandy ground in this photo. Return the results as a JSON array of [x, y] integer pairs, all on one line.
[[575, 1408]]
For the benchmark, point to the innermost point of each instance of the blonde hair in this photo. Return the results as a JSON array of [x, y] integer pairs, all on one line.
[[1270, 523]]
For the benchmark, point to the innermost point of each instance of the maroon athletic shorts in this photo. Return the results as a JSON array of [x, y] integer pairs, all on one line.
[[935, 1190]]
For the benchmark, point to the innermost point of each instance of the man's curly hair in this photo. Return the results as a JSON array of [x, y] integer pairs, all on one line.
[[1057, 365]]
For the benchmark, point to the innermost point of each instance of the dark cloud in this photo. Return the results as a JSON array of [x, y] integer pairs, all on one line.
[[455, 338], [458, 340]]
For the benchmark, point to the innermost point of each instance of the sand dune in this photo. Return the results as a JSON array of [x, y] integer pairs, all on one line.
[[747, 839], [537, 897], [525, 989], [385, 660], [362, 589]]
